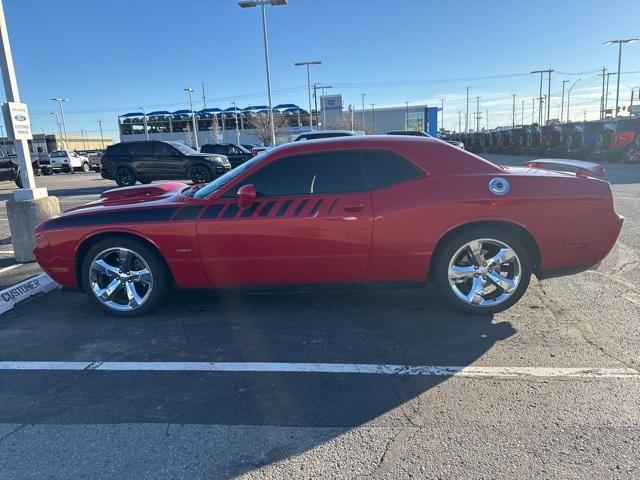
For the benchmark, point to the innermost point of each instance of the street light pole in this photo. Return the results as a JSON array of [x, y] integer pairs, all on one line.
[[569, 99], [82, 134], [262, 3], [235, 111], [190, 90], [144, 121], [406, 123], [513, 115], [373, 115], [101, 135], [59, 127], [64, 124], [562, 102], [619, 42], [466, 119], [362, 110], [308, 65], [477, 114]]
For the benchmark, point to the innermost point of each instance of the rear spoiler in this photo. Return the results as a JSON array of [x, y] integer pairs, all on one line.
[[582, 169]]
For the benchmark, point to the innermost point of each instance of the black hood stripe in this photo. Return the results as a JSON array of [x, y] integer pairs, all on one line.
[[145, 215]]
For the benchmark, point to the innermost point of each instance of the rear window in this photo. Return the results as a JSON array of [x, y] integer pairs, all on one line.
[[117, 149], [383, 168], [211, 148]]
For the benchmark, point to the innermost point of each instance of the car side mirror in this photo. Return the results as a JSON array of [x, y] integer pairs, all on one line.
[[246, 195]]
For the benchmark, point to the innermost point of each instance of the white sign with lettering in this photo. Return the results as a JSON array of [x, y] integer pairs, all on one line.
[[16, 118]]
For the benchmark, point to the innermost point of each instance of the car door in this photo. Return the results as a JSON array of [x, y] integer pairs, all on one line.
[[172, 162], [311, 223]]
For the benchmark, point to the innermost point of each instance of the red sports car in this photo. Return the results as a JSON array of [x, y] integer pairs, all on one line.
[[348, 210]]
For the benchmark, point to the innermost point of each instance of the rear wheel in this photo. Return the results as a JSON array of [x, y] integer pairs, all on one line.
[[85, 167], [18, 180], [125, 177], [201, 174], [632, 154], [124, 276], [483, 270]]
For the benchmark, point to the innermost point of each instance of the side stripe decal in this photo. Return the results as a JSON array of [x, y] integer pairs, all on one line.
[[300, 207], [188, 213]]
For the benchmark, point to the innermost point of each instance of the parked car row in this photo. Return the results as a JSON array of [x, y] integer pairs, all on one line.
[[608, 140]]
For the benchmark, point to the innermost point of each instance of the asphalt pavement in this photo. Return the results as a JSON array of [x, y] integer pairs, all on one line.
[[328, 384]]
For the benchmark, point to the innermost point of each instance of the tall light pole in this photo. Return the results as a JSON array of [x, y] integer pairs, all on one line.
[[373, 114], [562, 102], [569, 99], [308, 65], [46, 149], [144, 121], [466, 119], [324, 113], [64, 125], [522, 114], [262, 3], [101, 135], [82, 134], [59, 127], [190, 90], [619, 42], [362, 94], [235, 112], [406, 122], [513, 115]]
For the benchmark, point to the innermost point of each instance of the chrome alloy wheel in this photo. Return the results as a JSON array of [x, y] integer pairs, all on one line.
[[484, 272], [120, 279]]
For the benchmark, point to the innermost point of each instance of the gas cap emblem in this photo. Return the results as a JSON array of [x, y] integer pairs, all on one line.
[[499, 186]]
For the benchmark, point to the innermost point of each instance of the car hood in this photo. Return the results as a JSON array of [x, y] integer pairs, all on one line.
[[126, 197]]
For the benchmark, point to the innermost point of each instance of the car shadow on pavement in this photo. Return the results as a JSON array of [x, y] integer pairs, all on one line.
[[401, 327]]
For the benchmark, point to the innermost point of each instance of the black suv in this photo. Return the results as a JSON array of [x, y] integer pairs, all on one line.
[[236, 154], [145, 161]]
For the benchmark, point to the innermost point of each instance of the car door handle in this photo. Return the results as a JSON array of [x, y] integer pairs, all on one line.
[[356, 207]]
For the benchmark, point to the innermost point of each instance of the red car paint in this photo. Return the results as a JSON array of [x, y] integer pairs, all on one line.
[[388, 234]]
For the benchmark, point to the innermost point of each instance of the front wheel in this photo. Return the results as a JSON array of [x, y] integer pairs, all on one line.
[[483, 270], [124, 277], [85, 167], [201, 174], [125, 177]]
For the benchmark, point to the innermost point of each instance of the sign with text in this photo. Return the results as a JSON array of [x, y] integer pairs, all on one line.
[[16, 119]]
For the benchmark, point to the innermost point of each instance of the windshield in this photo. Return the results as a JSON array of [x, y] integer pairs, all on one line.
[[182, 148], [220, 182], [59, 153]]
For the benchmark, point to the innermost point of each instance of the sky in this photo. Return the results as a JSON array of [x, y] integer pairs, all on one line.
[[111, 57]]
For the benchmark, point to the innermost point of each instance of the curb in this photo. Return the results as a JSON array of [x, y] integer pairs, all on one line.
[[41, 283]]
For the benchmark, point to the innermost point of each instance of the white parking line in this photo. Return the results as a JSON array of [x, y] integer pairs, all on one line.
[[6, 252], [10, 267], [344, 368]]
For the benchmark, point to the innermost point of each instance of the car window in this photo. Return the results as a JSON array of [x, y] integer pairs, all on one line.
[[383, 168], [163, 150], [59, 153], [327, 172], [142, 148]]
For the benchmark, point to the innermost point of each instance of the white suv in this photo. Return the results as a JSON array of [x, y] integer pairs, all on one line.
[[67, 161]]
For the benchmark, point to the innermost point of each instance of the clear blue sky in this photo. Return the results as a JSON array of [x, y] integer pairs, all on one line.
[[109, 57]]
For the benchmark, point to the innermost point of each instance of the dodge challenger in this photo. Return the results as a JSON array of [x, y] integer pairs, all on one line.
[[376, 209]]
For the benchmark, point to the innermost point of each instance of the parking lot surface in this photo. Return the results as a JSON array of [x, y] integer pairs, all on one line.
[[330, 383]]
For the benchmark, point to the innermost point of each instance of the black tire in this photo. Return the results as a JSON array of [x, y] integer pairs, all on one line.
[[18, 180], [632, 154], [454, 243], [85, 167], [46, 171], [201, 174], [125, 177], [162, 280]]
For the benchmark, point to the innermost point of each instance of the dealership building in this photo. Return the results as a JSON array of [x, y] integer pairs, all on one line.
[[236, 125]]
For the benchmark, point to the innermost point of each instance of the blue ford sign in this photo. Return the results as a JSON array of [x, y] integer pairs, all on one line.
[[20, 118]]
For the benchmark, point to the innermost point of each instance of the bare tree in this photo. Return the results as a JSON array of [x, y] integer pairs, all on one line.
[[216, 131], [188, 135], [346, 121], [262, 127]]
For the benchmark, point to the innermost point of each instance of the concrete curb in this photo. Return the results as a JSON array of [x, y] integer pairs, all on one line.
[[22, 290]]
